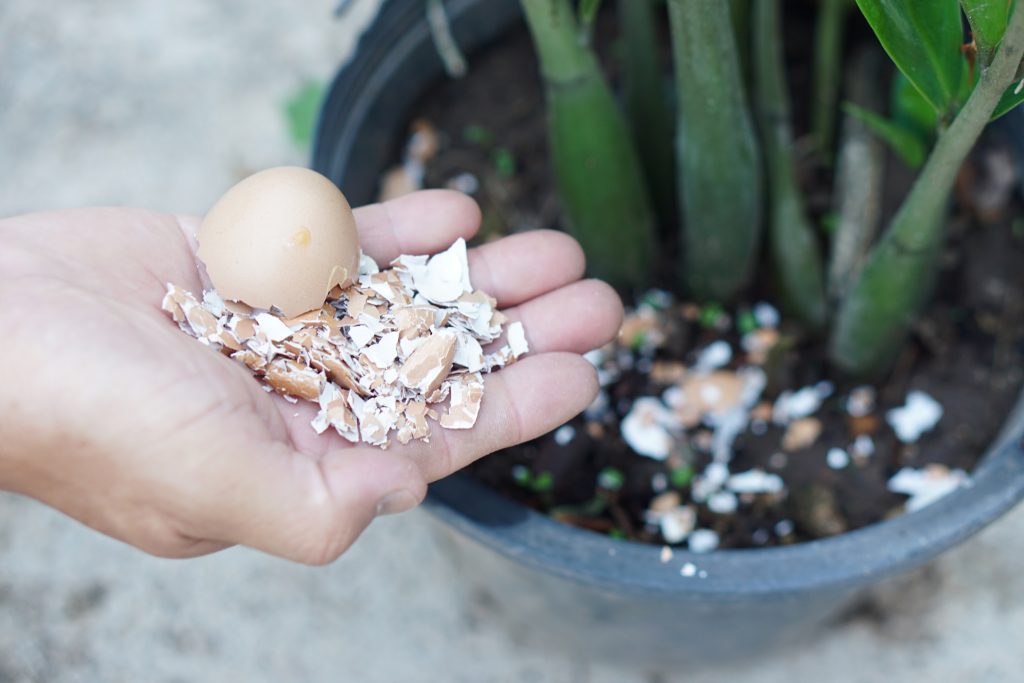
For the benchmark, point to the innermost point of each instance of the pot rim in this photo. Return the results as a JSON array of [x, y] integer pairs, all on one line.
[[849, 560]]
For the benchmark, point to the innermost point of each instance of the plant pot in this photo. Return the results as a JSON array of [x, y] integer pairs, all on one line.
[[587, 593]]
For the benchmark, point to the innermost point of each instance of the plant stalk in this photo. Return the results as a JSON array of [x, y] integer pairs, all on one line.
[[647, 107], [717, 153], [876, 315], [741, 29], [828, 47], [597, 167], [860, 172], [793, 244]]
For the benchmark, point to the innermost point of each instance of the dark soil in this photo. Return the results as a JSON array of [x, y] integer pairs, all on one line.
[[967, 351]]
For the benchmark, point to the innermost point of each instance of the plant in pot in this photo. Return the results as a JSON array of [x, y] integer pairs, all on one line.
[[703, 405]]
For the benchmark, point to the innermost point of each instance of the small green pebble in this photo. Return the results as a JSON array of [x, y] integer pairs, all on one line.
[[710, 314], [637, 342], [475, 134], [746, 322], [504, 162], [543, 482], [617, 533], [681, 476], [610, 479]]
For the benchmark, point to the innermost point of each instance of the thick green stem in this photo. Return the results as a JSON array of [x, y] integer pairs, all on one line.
[[598, 169], [875, 317], [741, 29], [860, 176], [828, 47], [795, 252], [718, 159], [647, 106]]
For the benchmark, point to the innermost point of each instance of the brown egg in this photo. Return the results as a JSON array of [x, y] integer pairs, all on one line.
[[282, 237]]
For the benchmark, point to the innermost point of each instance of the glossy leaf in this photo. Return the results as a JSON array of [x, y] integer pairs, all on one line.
[[1013, 96], [907, 143], [910, 109], [923, 38]]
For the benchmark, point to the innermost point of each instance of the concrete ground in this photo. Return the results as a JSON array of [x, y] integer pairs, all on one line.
[[164, 105]]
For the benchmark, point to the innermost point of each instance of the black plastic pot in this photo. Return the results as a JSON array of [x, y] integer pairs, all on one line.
[[580, 591]]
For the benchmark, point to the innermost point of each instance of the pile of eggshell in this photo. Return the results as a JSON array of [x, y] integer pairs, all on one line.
[[295, 301]]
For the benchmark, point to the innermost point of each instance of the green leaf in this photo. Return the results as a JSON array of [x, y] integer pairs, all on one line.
[[988, 23], [681, 476], [504, 162], [923, 38], [522, 475], [906, 142], [476, 134], [910, 108], [746, 322], [543, 482], [1013, 96], [710, 314], [301, 110], [611, 479]]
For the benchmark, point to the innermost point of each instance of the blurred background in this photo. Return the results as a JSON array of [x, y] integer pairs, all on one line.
[[166, 104]]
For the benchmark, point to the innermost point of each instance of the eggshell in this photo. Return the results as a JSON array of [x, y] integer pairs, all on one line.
[[282, 237]]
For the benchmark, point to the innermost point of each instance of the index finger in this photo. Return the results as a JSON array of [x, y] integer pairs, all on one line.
[[423, 222]]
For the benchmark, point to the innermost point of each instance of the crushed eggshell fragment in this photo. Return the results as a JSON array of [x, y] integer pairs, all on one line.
[[920, 414], [801, 433], [645, 428], [927, 485], [382, 356]]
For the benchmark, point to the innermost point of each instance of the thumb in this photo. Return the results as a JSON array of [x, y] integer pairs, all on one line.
[[305, 509]]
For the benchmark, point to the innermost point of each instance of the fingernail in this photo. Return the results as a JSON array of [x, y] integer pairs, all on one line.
[[395, 502]]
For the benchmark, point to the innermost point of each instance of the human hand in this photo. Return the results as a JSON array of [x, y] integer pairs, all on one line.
[[113, 416]]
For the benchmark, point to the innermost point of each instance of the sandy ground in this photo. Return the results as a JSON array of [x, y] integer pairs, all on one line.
[[165, 104]]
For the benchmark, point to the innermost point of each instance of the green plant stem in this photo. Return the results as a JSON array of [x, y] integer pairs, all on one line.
[[741, 29], [828, 47], [794, 248], [587, 13], [597, 167], [860, 173], [718, 159], [896, 280], [647, 106]]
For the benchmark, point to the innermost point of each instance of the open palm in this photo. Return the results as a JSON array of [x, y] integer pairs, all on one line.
[[112, 415]]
